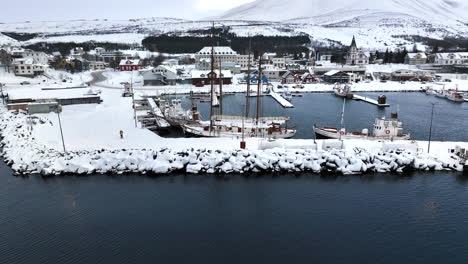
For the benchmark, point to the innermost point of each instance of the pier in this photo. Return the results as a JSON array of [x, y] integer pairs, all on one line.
[[283, 102], [157, 118], [369, 100]]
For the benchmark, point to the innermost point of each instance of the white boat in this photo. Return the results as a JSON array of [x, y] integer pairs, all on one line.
[[176, 115], [455, 96], [391, 129], [465, 97], [343, 91], [240, 127]]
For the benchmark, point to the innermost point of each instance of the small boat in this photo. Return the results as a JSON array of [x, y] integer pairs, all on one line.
[[440, 93], [465, 97], [383, 129], [455, 96], [343, 91]]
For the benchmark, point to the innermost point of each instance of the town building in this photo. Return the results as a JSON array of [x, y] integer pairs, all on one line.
[[38, 57], [243, 62], [222, 53], [356, 56], [411, 75], [109, 56], [202, 77], [130, 65], [161, 75], [26, 68], [335, 76], [279, 62], [171, 62], [98, 65], [452, 58], [416, 58]]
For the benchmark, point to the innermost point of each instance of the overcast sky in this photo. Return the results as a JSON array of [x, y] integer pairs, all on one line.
[[50, 10]]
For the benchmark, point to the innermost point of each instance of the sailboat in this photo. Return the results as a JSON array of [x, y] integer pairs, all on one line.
[[239, 126]]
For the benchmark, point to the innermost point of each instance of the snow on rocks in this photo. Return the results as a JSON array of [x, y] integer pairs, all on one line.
[[26, 156]]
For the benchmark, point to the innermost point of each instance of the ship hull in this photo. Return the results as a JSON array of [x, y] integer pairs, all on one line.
[[331, 133], [192, 131]]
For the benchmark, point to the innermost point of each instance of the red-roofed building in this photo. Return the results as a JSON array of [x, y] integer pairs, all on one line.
[[130, 65]]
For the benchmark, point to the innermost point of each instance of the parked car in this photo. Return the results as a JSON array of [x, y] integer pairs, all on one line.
[[199, 85], [298, 86], [279, 86], [25, 83]]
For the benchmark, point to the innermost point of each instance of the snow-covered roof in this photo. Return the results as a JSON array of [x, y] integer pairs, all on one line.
[[420, 55], [23, 61], [217, 51], [449, 56], [129, 62], [333, 72], [204, 74]]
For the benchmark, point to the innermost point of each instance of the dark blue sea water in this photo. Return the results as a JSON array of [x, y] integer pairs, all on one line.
[[288, 218]]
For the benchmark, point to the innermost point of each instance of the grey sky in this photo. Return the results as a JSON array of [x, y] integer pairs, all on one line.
[[50, 10]]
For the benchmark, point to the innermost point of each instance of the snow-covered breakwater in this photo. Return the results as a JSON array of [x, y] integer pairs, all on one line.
[[22, 152]]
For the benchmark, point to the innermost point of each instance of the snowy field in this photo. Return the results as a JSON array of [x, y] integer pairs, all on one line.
[[32, 144]]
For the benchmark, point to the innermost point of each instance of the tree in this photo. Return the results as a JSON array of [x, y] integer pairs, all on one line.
[[435, 49], [415, 48], [386, 57], [5, 60]]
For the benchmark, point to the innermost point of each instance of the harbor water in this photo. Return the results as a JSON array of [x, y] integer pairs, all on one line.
[[450, 119], [270, 218]]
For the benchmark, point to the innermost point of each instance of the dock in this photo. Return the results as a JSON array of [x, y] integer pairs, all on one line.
[[158, 118], [368, 100], [283, 102]]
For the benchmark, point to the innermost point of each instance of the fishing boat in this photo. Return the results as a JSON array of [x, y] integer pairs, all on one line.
[[383, 128], [176, 115], [343, 91], [455, 96]]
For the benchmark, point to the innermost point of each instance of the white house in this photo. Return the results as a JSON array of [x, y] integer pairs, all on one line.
[[98, 65], [416, 58], [38, 57], [448, 58], [161, 75], [243, 61], [279, 62], [225, 54], [26, 67]]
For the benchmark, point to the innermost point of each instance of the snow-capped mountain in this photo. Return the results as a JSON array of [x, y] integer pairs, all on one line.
[[376, 24], [444, 11]]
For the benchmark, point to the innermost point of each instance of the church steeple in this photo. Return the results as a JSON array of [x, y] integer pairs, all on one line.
[[353, 43]]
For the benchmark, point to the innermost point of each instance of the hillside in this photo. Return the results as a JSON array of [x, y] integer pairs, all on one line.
[[442, 11], [381, 25]]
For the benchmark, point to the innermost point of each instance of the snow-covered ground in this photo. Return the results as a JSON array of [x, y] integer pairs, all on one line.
[[33, 144]]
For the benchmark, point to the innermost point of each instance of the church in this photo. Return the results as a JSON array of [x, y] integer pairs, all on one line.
[[356, 56]]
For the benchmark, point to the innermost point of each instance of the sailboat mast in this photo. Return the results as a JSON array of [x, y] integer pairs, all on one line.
[[247, 98], [220, 87], [212, 95], [259, 87]]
